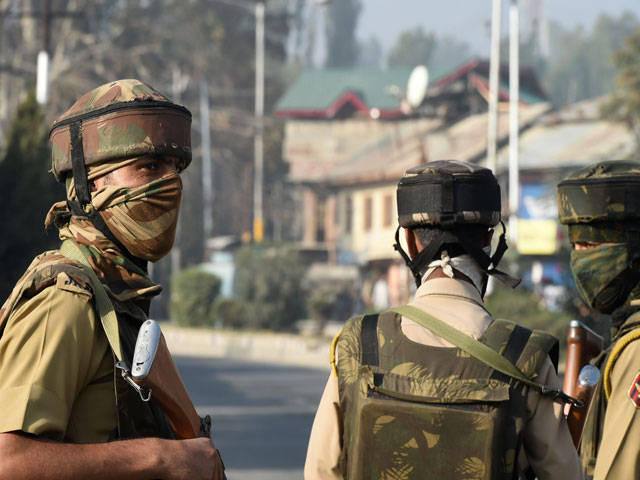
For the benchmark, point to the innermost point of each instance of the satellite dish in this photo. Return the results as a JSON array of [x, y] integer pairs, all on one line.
[[417, 86]]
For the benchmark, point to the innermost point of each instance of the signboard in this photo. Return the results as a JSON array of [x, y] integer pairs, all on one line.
[[537, 219]]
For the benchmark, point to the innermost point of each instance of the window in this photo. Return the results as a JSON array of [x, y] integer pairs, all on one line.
[[320, 219], [348, 214], [388, 211], [368, 214]]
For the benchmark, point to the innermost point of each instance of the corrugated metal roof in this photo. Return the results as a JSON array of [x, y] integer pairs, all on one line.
[[576, 143], [392, 155]]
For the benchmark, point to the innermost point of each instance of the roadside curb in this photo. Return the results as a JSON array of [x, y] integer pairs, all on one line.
[[280, 348]]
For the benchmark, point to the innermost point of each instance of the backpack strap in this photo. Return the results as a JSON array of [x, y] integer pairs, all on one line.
[[515, 345], [479, 350], [105, 308], [369, 341]]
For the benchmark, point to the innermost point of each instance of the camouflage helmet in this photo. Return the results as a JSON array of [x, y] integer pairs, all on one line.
[[606, 192], [119, 120], [600, 204], [445, 193]]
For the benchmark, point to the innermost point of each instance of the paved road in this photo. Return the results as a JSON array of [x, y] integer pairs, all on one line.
[[262, 414]]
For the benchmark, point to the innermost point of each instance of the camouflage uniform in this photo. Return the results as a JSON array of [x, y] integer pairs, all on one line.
[[52, 381], [600, 206], [427, 409]]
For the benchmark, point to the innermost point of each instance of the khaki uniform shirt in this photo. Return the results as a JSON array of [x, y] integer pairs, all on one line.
[[56, 368], [547, 443], [619, 452]]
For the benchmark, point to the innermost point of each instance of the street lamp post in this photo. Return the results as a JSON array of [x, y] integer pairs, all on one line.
[[258, 139], [514, 90], [494, 74]]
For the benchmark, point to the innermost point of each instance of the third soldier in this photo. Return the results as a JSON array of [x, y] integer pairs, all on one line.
[[601, 207]]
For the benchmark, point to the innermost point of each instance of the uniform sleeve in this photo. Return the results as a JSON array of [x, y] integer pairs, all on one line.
[[45, 354], [619, 452], [548, 446], [324, 447]]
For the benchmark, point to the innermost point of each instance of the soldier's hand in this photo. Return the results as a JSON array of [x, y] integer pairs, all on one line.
[[195, 459]]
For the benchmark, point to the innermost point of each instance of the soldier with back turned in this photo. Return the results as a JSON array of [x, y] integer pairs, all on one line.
[[408, 397]]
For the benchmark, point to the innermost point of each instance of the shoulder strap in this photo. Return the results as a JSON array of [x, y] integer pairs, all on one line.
[[369, 340], [105, 308], [476, 349]]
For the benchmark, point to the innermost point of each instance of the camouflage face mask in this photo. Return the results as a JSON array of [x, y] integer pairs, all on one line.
[[596, 271], [143, 218]]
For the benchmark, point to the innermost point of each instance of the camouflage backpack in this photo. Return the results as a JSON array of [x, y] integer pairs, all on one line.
[[414, 411]]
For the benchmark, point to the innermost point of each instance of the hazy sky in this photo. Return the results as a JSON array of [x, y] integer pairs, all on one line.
[[469, 20]]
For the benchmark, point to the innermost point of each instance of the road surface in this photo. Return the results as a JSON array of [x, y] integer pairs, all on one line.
[[262, 413]]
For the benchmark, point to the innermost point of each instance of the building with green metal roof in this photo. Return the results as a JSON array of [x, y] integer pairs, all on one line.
[[380, 94]]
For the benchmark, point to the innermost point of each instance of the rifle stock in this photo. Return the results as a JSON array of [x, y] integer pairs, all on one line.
[[587, 380], [154, 369], [170, 393], [580, 378]]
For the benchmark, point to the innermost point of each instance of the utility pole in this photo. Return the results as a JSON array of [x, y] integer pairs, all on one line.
[[494, 75], [514, 89], [207, 170], [258, 145], [42, 81]]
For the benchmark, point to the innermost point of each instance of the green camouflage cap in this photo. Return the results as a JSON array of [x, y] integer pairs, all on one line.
[[606, 192], [122, 119], [447, 193]]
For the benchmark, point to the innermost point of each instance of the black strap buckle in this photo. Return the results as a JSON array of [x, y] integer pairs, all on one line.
[[557, 394]]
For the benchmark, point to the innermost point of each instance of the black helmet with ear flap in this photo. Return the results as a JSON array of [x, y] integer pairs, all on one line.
[[451, 196]]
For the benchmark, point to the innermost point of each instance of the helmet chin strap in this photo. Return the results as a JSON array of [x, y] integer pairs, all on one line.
[[487, 264]]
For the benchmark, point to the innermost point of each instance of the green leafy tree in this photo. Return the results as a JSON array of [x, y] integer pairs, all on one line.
[[193, 296], [270, 281], [581, 65], [341, 26], [624, 104], [417, 47], [28, 191], [413, 47], [231, 313]]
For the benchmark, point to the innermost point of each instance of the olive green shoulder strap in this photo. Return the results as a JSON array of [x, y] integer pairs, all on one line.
[[475, 348], [105, 308]]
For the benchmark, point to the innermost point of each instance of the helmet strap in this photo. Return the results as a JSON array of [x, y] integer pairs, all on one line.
[[423, 258], [487, 264]]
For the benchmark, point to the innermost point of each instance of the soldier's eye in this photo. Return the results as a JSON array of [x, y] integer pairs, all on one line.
[[151, 165]]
